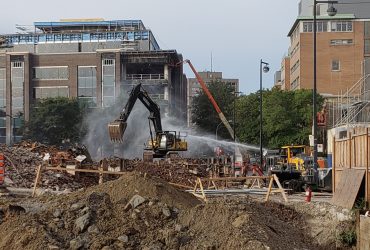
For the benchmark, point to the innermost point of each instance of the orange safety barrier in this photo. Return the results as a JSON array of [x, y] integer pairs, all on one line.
[[2, 169]]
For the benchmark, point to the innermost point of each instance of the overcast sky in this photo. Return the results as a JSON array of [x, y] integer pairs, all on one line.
[[237, 32]]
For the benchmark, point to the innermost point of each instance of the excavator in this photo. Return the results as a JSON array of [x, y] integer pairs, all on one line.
[[161, 143]]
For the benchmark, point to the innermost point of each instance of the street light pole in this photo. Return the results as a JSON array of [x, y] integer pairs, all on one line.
[[265, 69], [331, 12]]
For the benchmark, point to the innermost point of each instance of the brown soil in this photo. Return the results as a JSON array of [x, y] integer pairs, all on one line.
[[168, 219]]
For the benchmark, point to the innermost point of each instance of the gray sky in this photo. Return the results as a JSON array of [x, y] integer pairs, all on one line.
[[237, 32]]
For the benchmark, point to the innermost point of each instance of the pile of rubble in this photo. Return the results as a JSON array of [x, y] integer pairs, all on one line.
[[138, 212], [21, 161]]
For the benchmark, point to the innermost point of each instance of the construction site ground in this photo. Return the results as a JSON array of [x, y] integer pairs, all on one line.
[[142, 210]]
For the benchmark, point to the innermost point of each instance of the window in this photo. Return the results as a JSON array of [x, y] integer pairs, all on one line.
[[50, 73], [294, 84], [50, 92], [321, 26], [341, 42], [87, 85], [341, 26], [294, 50], [294, 67], [335, 65], [367, 46], [107, 62], [367, 29], [108, 82], [2, 91], [17, 64]]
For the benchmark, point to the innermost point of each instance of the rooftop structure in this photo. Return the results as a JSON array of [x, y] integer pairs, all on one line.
[[120, 32]]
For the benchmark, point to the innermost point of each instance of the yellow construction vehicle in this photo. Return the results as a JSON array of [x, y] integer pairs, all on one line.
[[295, 156], [161, 142]]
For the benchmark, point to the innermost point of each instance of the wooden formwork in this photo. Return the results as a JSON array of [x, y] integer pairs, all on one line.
[[352, 153]]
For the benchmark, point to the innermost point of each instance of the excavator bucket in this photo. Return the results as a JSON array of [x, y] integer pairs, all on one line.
[[116, 130]]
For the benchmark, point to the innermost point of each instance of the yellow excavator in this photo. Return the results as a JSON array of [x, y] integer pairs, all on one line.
[[161, 143]]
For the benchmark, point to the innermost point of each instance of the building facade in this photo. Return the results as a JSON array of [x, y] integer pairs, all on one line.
[[342, 48], [208, 76], [92, 60]]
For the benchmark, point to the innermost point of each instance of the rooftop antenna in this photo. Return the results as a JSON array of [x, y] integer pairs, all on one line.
[[211, 62]]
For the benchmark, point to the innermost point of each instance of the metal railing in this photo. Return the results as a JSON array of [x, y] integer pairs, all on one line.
[[145, 77], [350, 106]]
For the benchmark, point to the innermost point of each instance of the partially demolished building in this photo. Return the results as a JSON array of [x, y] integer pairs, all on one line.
[[90, 59]]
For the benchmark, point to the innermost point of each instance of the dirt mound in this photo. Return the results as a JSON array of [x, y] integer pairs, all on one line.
[[137, 212], [245, 224]]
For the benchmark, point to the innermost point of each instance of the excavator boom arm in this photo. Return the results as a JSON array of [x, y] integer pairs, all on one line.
[[117, 128]]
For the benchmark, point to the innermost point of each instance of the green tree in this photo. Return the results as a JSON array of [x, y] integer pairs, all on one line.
[[55, 119], [247, 118], [287, 117], [204, 115]]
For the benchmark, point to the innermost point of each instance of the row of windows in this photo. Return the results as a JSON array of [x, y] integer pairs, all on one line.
[[294, 50], [294, 84], [322, 26], [341, 42], [294, 67]]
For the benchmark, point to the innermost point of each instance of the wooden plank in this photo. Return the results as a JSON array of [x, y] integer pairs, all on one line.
[[348, 188], [280, 187], [37, 180], [269, 189], [364, 239], [202, 190], [334, 168], [367, 166], [235, 178], [84, 170], [349, 149]]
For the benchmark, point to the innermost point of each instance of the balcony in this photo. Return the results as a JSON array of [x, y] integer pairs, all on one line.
[[145, 77]]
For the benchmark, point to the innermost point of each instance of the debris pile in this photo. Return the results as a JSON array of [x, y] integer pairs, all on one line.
[[137, 212], [21, 161]]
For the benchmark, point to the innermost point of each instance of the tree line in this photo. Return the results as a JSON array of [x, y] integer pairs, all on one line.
[[287, 116], [286, 119]]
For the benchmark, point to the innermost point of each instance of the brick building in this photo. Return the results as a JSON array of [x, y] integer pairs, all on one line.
[[343, 47], [93, 60]]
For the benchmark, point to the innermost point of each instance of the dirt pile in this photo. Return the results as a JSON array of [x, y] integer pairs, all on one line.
[[326, 222], [137, 212]]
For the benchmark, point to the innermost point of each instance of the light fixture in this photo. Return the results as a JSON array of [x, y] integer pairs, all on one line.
[[332, 11]]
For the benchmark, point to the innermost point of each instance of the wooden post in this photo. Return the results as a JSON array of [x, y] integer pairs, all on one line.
[[201, 189], [269, 188], [280, 187], [101, 169], [333, 164], [37, 180], [367, 168], [350, 148]]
